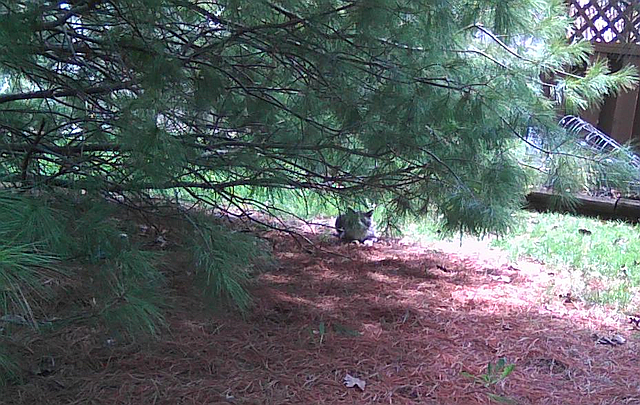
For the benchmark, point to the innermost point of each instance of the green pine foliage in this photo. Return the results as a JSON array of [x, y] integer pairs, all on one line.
[[9, 370], [223, 261], [25, 261], [414, 102], [22, 270], [40, 222], [132, 298], [36, 237], [134, 310], [127, 285], [578, 91]]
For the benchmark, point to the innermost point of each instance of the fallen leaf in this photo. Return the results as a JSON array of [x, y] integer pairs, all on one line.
[[351, 381], [504, 279], [618, 339], [613, 340]]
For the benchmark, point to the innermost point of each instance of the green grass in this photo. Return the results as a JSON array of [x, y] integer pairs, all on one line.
[[595, 260], [601, 258]]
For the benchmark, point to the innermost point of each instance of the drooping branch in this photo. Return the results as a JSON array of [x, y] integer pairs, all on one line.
[[63, 150], [43, 94]]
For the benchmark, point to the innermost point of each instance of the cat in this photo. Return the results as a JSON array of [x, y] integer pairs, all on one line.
[[356, 226]]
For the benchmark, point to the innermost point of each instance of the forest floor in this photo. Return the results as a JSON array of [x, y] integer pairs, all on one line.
[[412, 322]]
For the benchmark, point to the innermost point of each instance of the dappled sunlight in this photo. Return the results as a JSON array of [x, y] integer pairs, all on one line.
[[427, 315], [492, 301], [277, 278], [383, 278], [408, 319]]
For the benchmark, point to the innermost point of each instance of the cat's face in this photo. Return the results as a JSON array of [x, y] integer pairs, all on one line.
[[355, 225], [366, 217]]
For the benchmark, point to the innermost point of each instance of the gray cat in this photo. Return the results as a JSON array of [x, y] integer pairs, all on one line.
[[356, 225]]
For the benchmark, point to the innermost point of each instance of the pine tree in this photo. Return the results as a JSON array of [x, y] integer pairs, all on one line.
[[419, 105], [416, 103]]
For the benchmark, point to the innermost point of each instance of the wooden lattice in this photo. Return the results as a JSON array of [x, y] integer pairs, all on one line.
[[606, 21]]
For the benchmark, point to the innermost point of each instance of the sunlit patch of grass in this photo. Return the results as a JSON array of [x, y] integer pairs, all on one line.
[[601, 257], [301, 203], [594, 260], [423, 229]]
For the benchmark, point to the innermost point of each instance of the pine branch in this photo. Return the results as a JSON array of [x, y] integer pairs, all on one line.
[[44, 94]]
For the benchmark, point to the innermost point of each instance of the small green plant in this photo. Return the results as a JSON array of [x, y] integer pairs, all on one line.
[[501, 399], [494, 374], [322, 330]]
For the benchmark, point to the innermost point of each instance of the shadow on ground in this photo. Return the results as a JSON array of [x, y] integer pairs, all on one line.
[[405, 319]]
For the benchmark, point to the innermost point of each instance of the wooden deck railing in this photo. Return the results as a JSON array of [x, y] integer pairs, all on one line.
[[614, 28]]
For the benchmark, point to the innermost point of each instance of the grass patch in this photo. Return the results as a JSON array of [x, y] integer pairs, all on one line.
[[594, 260], [600, 258]]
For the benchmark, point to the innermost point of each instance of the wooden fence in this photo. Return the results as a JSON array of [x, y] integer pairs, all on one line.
[[614, 28]]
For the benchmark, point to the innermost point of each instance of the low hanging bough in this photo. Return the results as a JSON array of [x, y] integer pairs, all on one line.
[[344, 98]]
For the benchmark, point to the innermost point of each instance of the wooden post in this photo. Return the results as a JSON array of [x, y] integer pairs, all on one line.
[[592, 116], [625, 109]]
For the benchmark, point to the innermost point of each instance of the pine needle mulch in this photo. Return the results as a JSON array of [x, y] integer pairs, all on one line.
[[407, 321]]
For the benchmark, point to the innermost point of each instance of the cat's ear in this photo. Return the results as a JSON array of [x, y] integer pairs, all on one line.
[[351, 211], [368, 214]]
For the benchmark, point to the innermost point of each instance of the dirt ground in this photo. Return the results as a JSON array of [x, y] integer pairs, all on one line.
[[410, 320]]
